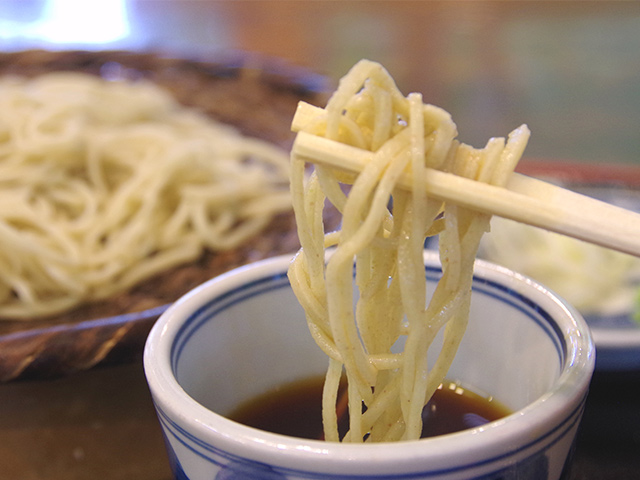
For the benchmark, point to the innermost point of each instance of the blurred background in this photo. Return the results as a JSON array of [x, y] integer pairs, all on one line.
[[569, 69]]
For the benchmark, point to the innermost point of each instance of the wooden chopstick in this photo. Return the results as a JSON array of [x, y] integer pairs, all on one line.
[[523, 199]]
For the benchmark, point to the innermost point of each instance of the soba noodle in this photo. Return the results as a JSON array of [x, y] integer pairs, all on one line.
[[383, 231], [106, 183]]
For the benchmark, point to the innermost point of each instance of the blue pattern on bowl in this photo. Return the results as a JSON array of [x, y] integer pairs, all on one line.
[[532, 467]]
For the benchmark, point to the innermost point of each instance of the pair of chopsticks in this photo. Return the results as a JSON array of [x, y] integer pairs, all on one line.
[[523, 199]]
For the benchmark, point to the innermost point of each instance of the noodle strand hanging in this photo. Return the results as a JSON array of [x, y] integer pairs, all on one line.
[[382, 240]]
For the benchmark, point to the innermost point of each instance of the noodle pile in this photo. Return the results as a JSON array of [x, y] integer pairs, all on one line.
[[383, 231], [105, 184]]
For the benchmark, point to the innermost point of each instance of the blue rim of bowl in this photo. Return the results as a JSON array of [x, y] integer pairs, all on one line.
[[535, 449], [543, 440], [279, 280]]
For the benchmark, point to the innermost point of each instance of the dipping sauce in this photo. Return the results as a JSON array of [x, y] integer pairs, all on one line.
[[295, 409]]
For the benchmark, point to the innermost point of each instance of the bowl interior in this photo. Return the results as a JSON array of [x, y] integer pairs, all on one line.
[[251, 336], [244, 342]]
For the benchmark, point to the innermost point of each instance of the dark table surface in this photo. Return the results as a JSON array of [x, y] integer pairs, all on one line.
[[608, 443], [101, 424]]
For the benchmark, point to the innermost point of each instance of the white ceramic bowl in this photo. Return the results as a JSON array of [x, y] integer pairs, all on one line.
[[242, 333]]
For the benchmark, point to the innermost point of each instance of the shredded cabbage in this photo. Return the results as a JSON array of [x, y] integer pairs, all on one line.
[[596, 280]]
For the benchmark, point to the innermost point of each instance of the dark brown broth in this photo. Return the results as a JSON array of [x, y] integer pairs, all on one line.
[[295, 409]]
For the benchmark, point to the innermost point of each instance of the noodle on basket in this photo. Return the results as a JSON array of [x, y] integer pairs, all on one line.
[[106, 183], [383, 233]]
